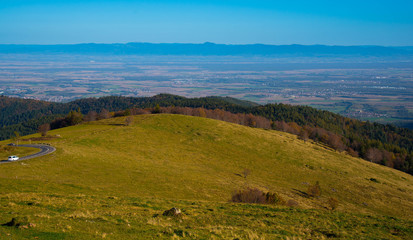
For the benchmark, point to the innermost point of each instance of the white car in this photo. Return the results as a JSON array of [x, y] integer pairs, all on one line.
[[13, 158]]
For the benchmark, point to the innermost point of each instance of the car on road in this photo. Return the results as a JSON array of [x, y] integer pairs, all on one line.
[[13, 158]]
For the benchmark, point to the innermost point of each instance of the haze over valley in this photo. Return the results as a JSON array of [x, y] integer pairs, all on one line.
[[377, 86]]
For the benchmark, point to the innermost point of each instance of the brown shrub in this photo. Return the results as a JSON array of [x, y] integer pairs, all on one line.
[[314, 190], [91, 116], [273, 198], [246, 172], [139, 111], [292, 203], [262, 122], [332, 203], [303, 135], [128, 120], [352, 152], [254, 195], [249, 196]]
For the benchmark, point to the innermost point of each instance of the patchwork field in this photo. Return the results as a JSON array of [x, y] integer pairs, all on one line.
[[366, 88]]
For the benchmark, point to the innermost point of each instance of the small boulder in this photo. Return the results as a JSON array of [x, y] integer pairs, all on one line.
[[173, 212]]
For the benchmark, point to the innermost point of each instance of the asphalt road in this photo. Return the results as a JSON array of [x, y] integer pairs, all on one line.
[[44, 150]]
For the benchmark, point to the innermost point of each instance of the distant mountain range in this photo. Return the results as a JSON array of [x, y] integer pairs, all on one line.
[[206, 49]]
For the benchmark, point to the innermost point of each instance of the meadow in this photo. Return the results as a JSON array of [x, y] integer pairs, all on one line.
[[109, 180]]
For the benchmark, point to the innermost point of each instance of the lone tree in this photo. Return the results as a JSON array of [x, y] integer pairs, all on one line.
[[16, 137], [246, 172], [157, 109], [128, 120], [43, 129]]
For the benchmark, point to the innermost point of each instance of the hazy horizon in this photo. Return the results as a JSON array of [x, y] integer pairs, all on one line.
[[352, 23], [207, 42]]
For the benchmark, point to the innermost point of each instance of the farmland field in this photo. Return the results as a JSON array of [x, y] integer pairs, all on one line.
[[364, 88]]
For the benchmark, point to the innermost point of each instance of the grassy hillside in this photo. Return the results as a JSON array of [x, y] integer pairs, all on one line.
[[110, 180], [6, 151], [26, 115]]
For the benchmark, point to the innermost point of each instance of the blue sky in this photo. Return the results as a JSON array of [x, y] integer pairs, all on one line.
[[350, 22]]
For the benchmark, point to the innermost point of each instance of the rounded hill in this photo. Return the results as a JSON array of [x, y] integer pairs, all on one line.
[[171, 158]]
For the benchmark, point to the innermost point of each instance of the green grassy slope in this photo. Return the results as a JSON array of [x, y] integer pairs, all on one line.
[[109, 178], [6, 151]]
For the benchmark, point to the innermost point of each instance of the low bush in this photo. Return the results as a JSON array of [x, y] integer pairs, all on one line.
[[292, 203], [254, 195], [249, 196], [332, 203], [314, 190]]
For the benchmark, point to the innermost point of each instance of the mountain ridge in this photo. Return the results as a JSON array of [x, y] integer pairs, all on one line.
[[206, 49]]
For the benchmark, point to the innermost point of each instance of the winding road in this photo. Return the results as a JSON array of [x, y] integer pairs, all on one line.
[[44, 150]]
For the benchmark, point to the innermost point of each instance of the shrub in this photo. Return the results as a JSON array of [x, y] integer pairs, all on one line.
[[128, 120], [352, 152], [254, 195], [273, 198], [332, 203], [314, 190], [246, 172], [292, 203], [249, 196]]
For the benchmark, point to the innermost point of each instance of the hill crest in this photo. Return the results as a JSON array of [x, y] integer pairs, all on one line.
[[189, 157]]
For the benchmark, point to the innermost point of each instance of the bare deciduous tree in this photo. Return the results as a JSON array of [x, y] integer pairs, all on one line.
[[104, 114], [246, 172], [303, 135], [128, 120], [91, 116], [44, 128], [374, 155]]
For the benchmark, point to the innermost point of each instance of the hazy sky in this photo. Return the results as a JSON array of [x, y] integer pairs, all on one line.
[[344, 22]]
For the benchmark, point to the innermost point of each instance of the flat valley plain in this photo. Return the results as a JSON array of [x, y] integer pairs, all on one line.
[[368, 88]]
